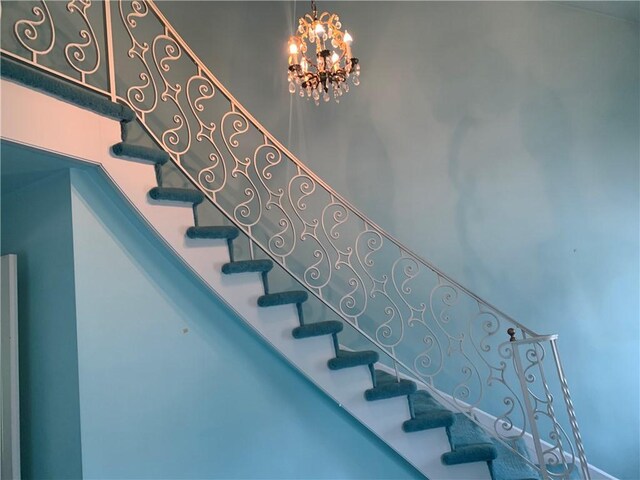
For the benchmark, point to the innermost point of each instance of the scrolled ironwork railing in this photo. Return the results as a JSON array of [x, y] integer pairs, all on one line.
[[431, 328]]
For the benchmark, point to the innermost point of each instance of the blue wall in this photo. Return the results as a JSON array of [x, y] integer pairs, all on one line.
[[36, 225], [500, 141], [172, 385]]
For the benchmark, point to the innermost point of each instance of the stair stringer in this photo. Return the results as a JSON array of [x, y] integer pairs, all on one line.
[[44, 122]]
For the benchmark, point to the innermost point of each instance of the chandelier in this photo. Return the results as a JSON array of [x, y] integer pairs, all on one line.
[[333, 63]]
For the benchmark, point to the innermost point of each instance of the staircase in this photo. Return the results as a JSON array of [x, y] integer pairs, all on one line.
[[411, 398]]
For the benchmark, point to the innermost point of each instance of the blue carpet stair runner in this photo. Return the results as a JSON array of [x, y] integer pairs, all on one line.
[[387, 386], [426, 413], [154, 155], [347, 359], [244, 266], [468, 442], [316, 329], [218, 232], [283, 298], [510, 466], [170, 194]]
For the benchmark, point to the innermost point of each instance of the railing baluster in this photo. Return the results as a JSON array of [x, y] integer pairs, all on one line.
[[530, 410], [584, 466], [111, 69]]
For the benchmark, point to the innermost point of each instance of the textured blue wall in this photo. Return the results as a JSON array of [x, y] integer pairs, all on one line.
[[172, 385], [36, 225], [500, 141]]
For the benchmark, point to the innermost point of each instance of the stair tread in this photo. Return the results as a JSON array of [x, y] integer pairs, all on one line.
[[173, 194], [428, 414], [509, 465], [155, 155], [424, 403], [62, 89], [465, 432], [243, 266], [214, 232], [469, 443], [283, 298], [473, 453], [387, 386], [316, 329], [347, 359]]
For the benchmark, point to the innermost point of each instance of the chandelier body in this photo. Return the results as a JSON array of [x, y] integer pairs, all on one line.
[[320, 58]]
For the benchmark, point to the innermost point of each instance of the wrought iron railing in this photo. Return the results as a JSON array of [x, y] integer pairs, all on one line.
[[430, 327]]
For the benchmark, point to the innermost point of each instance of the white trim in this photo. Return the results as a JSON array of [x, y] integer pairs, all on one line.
[[10, 404]]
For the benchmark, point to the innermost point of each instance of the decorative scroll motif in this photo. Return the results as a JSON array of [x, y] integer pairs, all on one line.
[[318, 274], [555, 455], [138, 95], [353, 303], [432, 328], [75, 53], [176, 140], [28, 32], [211, 178]]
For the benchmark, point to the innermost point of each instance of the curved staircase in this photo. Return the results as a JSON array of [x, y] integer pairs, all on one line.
[[440, 441]]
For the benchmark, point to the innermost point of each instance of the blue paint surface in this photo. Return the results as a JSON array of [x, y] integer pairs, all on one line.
[[172, 385], [36, 225], [498, 140]]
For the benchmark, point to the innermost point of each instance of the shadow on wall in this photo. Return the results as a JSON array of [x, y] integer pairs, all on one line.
[[360, 157]]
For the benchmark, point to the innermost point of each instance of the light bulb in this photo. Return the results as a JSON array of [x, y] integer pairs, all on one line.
[[334, 58], [319, 29], [293, 48], [347, 37]]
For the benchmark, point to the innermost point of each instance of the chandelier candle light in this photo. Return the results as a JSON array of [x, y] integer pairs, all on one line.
[[330, 69]]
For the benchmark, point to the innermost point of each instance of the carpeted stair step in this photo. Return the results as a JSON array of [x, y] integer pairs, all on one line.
[[213, 232], [244, 266], [511, 466], [283, 298], [62, 89], [154, 155], [170, 194], [347, 359], [387, 386], [317, 329], [469, 443], [427, 413]]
